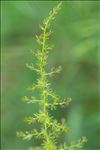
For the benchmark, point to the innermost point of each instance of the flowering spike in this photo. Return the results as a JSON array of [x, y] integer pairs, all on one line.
[[50, 129]]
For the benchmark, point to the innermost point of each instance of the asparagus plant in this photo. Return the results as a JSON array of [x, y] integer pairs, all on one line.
[[50, 128]]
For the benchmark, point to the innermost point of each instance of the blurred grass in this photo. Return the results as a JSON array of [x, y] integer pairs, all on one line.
[[76, 39]]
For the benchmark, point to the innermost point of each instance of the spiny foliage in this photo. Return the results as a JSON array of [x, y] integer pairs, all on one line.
[[50, 128]]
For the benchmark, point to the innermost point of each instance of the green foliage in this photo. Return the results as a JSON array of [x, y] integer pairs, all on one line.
[[74, 145], [50, 129]]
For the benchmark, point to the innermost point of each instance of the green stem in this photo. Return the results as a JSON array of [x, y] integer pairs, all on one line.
[[43, 77]]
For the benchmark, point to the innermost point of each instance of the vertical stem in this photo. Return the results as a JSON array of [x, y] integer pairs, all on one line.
[[43, 77]]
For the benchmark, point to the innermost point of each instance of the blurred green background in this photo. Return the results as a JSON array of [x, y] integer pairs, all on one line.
[[76, 38]]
